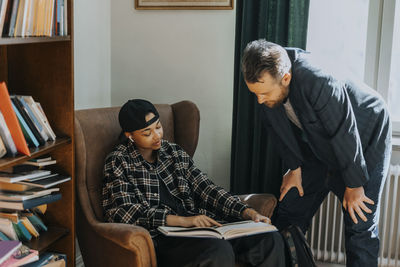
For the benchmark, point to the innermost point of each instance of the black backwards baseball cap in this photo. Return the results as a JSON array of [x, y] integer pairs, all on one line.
[[132, 115]]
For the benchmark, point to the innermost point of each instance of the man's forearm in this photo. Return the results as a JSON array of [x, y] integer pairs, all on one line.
[[174, 220]]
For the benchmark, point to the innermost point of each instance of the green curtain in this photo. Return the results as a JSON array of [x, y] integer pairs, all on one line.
[[255, 164]]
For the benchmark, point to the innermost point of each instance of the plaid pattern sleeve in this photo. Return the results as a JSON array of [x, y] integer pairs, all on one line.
[[122, 201], [213, 197]]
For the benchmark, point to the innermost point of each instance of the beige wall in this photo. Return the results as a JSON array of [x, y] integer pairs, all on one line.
[[165, 57], [92, 49]]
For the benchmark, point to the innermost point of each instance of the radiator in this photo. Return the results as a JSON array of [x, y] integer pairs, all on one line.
[[326, 236]]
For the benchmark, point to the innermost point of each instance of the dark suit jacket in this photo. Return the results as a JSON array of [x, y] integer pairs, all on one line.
[[346, 124]]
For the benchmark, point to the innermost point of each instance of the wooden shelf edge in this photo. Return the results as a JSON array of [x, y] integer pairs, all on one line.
[[46, 239], [29, 40], [35, 152]]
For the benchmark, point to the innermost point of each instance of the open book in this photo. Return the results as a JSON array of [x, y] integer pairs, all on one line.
[[226, 231]]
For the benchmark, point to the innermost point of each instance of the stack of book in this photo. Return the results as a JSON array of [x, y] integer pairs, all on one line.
[[13, 253], [23, 18], [23, 124], [26, 186]]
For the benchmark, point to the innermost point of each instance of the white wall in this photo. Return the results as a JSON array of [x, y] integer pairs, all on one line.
[[92, 49], [170, 55]]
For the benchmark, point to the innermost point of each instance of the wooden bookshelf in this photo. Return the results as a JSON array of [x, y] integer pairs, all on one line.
[[47, 238], [43, 68], [29, 40], [35, 152]]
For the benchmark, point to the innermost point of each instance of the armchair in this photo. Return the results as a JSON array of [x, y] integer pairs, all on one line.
[[96, 133]]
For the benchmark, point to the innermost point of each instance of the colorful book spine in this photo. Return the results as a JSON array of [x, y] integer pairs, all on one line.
[[25, 129]]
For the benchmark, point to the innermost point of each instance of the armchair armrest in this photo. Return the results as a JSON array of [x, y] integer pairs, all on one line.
[[263, 203], [125, 237]]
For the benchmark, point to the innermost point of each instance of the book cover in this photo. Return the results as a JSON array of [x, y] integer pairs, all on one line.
[[41, 159], [3, 237], [20, 17], [30, 203], [11, 119], [7, 18], [3, 9], [7, 248], [25, 195], [29, 226], [25, 16], [27, 119], [13, 19], [22, 233], [29, 136], [12, 177], [33, 117], [47, 182], [7, 228], [226, 231], [6, 136], [41, 164], [36, 221], [42, 118], [14, 187], [3, 150], [23, 255]]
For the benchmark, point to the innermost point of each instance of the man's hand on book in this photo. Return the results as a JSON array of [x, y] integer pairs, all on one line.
[[250, 214], [192, 221], [199, 221]]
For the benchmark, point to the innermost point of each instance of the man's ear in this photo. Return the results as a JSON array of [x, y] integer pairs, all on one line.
[[127, 134], [286, 79]]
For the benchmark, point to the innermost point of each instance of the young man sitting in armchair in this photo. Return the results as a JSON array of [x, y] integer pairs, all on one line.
[[151, 182]]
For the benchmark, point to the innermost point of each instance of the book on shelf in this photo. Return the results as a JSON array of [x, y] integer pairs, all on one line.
[[40, 159], [3, 150], [33, 117], [13, 19], [47, 182], [7, 248], [14, 187], [29, 137], [30, 203], [11, 119], [49, 259], [40, 163], [24, 18], [35, 220], [12, 177], [7, 18], [25, 195], [42, 119], [226, 231], [6, 136], [3, 9], [3, 237], [23, 255], [28, 121], [7, 228]]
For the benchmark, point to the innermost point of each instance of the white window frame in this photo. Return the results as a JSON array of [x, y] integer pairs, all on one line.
[[381, 21]]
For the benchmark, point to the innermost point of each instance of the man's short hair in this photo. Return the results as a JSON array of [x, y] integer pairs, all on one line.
[[260, 56]]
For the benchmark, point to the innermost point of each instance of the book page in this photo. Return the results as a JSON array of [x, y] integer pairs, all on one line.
[[244, 228]]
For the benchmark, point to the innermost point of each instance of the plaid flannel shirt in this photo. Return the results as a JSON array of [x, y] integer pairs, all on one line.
[[131, 188]]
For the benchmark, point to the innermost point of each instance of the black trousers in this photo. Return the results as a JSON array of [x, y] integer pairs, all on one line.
[[257, 250]]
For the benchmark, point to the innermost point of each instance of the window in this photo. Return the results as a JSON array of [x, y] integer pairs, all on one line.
[[360, 39]]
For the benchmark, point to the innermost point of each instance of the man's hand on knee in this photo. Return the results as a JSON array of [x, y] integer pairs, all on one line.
[[353, 202]]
